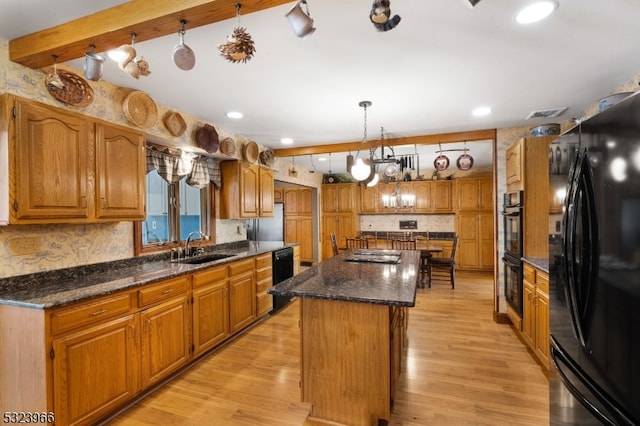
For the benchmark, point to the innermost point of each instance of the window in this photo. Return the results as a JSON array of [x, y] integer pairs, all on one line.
[[179, 199]]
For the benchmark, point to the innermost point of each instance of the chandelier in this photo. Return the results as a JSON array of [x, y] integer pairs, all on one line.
[[398, 200]]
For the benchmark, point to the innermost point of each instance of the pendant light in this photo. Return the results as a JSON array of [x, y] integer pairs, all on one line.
[[361, 170]]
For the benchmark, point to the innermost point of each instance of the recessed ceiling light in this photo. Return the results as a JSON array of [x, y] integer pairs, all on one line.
[[536, 12], [481, 111], [286, 141], [234, 114]]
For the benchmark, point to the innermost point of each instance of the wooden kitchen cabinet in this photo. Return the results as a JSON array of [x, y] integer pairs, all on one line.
[[430, 197], [56, 153], [210, 308], [52, 164], [266, 192], [442, 197], [422, 191], [298, 220], [535, 312], [339, 214], [339, 198], [84, 360], [247, 190], [264, 281], [475, 194], [298, 201], [299, 229], [532, 171], [165, 328], [296, 260], [242, 294], [120, 173], [95, 370], [514, 159], [344, 226], [369, 199], [475, 241]]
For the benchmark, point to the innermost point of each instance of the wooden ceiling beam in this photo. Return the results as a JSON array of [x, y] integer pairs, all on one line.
[[475, 135], [111, 28]]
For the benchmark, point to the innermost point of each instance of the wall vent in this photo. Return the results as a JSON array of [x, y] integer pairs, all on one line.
[[546, 113]]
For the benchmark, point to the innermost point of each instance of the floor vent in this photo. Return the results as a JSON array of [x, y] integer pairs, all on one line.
[[546, 113]]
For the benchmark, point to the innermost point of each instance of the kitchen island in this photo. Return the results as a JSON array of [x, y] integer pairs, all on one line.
[[353, 317]]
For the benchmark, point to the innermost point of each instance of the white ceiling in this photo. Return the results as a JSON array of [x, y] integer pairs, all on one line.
[[424, 77]]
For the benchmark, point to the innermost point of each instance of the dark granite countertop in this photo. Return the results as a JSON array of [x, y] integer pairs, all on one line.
[[60, 287], [338, 279], [541, 263]]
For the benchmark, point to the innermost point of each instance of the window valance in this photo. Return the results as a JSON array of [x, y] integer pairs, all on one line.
[[199, 171]]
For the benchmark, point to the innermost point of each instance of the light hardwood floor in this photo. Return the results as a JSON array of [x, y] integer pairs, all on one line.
[[461, 368]]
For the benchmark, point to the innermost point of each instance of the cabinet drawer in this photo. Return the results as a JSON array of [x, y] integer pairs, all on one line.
[[263, 261], [265, 303], [264, 274], [217, 274], [528, 273], [163, 291], [90, 312], [542, 281], [263, 286], [241, 266]]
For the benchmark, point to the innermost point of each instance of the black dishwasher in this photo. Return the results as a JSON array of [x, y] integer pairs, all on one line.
[[282, 269]]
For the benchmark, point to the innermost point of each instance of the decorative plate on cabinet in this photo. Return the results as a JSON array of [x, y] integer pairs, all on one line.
[[207, 138], [251, 151]]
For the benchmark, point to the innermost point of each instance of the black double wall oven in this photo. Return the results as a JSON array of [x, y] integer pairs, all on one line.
[[512, 259]]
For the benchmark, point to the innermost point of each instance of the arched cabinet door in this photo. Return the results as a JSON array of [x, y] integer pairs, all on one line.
[[51, 164], [120, 173]]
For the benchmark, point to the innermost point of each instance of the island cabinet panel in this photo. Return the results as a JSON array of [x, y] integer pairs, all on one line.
[[346, 360], [95, 370], [120, 173], [210, 308]]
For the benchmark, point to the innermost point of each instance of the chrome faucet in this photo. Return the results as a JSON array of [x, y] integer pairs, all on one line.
[[187, 251]]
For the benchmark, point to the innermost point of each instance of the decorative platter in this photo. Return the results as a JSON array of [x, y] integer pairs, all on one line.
[[207, 138], [74, 91], [175, 124], [140, 109], [251, 151]]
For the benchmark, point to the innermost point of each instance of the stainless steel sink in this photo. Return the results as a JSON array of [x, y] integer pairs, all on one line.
[[204, 258]]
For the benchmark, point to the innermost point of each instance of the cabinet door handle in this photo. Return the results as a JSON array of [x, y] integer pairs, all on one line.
[[132, 331], [100, 312], [167, 291], [104, 202]]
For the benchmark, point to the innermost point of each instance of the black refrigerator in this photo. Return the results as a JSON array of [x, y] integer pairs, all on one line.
[[594, 270]]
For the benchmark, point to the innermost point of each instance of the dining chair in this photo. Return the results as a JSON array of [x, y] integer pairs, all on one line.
[[357, 243], [334, 244], [404, 244], [443, 268]]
